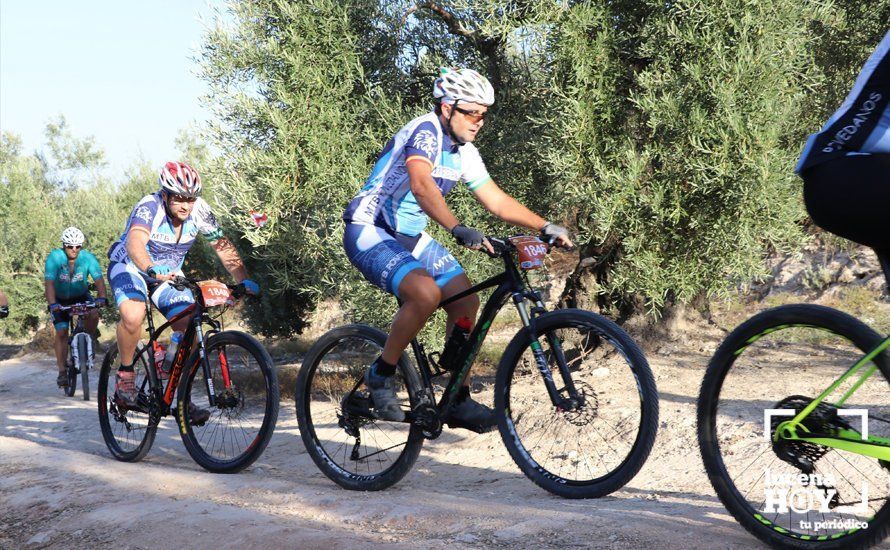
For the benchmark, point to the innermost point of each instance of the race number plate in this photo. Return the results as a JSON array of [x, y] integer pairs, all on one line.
[[532, 251], [215, 293]]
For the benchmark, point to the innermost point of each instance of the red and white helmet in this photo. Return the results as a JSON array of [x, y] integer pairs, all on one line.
[[178, 178]]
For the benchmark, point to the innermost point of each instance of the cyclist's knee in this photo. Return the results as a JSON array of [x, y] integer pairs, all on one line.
[[132, 314], [422, 293]]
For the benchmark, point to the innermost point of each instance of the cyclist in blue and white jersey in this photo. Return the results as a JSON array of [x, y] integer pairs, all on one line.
[[385, 239], [159, 233], [846, 166], [67, 274]]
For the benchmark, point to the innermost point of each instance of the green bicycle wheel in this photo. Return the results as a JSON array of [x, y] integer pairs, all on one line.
[[797, 494]]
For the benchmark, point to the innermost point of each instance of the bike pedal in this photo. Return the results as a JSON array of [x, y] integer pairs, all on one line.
[[358, 404], [453, 424]]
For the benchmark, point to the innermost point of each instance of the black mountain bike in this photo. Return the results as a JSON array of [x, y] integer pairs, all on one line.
[[80, 350], [575, 398], [227, 372]]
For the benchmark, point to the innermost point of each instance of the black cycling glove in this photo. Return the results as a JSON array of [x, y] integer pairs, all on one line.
[[467, 236], [4, 312]]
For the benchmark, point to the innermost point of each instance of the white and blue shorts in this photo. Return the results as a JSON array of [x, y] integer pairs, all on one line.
[[385, 257], [127, 283]]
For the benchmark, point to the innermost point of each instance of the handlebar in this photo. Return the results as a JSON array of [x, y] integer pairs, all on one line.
[[180, 282], [84, 306], [503, 245]]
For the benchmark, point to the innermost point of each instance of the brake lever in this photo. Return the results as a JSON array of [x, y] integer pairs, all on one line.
[[238, 291], [499, 245], [551, 244], [180, 283]]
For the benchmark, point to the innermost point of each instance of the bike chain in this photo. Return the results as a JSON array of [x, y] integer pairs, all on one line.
[[426, 416]]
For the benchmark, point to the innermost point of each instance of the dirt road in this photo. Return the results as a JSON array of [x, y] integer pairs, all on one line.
[[60, 488]]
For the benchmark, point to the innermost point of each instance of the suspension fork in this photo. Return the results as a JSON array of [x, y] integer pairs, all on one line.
[[561, 360], [541, 358], [205, 362], [224, 368]]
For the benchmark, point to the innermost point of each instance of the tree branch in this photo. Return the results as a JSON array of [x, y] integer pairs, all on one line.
[[488, 47]]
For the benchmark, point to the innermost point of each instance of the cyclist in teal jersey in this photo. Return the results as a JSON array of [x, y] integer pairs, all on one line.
[[65, 278]]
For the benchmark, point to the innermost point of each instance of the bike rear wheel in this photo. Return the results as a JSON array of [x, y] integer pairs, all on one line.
[[84, 367], [128, 433], [598, 446], [347, 443], [777, 361], [241, 424]]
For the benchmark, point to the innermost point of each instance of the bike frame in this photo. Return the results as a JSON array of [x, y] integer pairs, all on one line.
[[194, 333], [510, 284], [77, 328], [846, 440]]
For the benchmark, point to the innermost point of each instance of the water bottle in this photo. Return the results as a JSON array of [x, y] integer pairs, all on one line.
[[175, 340], [159, 352], [459, 336]]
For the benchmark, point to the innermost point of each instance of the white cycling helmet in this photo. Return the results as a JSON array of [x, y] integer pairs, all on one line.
[[178, 178], [73, 237], [463, 85]]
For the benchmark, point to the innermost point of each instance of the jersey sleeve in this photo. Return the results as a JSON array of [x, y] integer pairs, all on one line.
[[93, 267], [51, 267], [473, 172], [206, 222], [424, 142], [144, 213]]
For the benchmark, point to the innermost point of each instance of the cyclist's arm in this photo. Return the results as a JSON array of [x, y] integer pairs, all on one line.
[[230, 259], [425, 190], [4, 302], [502, 205], [95, 271], [49, 291], [505, 207], [100, 287], [137, 240]]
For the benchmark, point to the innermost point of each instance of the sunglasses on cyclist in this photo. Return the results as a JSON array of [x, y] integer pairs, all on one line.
[[180, 198], [73, 246], [472, 116]]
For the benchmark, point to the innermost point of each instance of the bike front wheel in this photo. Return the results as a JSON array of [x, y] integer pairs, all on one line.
[[244, 384], [128, 433], [82, 353], [341, 434], [798, 494], [594, 444], [71, 376]]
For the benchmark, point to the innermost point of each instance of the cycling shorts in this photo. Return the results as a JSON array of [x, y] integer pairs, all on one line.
[[127, 283], [385, 257], [62, 319], [850, 196]]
